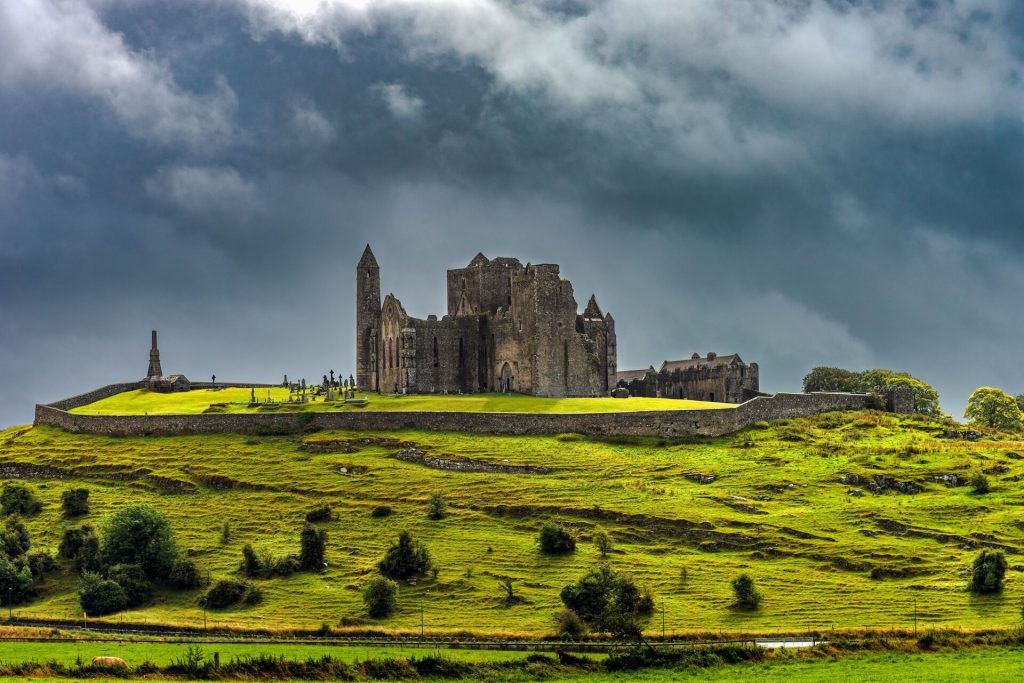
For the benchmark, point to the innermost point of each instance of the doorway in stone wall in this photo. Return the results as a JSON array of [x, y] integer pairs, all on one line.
[[505, 378]]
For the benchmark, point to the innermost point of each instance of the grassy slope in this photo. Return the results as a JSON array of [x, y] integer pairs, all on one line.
[[144, 401], [810, 546]]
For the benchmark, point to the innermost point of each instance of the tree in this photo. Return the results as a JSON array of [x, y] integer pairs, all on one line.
[[405, 559], [15, 581], [140, 534], [75, 502], [321, 513], [436, 508], [747, 595], [18, 499], [556, 539], [569, 625], [979, 482], [603, 543], [609, 602], [994, 408], [184, 574], [380, 595], [132, 580], [830, 379], [313, 545], [99, 596], [1019, 398], [988, 572], [16, 540], [227, 592]]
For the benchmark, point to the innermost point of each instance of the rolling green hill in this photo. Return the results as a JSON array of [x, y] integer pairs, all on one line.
[[685, 517]]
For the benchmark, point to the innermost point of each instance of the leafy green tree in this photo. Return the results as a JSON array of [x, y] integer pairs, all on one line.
[[132, 580], [603, 543], [994, 408], [18, 499], [1019, 398], [380, 595], [555, 539], [830, 379], [75, 502], [405, 559], [99, 596], [184, 574], [140, 534], [313, 546], [747, 595], [988, 572], [16, 584], [16, 540], [609, 602]]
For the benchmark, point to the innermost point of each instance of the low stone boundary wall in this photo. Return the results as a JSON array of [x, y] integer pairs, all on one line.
[[661, 423]]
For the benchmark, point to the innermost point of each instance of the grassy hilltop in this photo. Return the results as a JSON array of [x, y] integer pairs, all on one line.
[[685, 517]]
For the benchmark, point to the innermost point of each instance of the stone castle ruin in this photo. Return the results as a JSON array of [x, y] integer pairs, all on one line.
[[711, 378], [509, 327]]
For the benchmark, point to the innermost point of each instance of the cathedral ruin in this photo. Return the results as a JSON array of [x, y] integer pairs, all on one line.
[[509, 327]]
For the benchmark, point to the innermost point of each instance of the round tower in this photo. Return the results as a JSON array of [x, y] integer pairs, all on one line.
[[367, 321]]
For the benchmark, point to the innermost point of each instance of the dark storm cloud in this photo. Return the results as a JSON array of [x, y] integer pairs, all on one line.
[[801, 182]]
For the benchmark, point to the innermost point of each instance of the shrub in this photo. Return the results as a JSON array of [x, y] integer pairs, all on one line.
[[608, 601], [554, 539], [319, 514], [132, 580], [15, 539], [184, 574], [380, 595], [988, 572], [225, 593], [40, 564], [225, 533], [994, 408], [980, 485], [18, 499], [747, 595], [99, 596], [82, 547], [75, 502], [405, 559], [15, 582], [436, 508], [251, 564], [381, 511], [313, 545], [569, 625], [603, 543], [140, 534]]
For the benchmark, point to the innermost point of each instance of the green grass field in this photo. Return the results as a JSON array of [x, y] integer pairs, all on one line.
[[143, 401], [776, 509]]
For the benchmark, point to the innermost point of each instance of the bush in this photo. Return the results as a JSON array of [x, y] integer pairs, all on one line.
[[15, 581], [569, 625], [603, 543], [251, 564], [265, 565], [320, 514], [988, 572], [225, 593], [381, 511], [99, 596], [40, 564], [18, 499], [184, 574], [380, 596], [610, 602], [405, 559], [82, 547], [555, 539], [15, 539], [436, 508], [225, 533], [747, 595], [994, 408], [140, 534], [979, 483], [313, 545], [132, 580], [75, 502]]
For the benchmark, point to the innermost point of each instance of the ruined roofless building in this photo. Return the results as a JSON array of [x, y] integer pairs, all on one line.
[[711, 378], [509, 327]]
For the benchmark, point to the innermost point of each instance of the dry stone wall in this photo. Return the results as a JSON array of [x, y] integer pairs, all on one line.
[[660, 423]]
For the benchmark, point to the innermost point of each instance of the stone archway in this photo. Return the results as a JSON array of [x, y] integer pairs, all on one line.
[[505, 378]]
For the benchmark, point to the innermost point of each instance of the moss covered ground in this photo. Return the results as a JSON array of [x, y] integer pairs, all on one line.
[[236, 400], [685, 517]]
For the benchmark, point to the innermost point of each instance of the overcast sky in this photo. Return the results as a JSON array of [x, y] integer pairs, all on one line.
[[801, 182]]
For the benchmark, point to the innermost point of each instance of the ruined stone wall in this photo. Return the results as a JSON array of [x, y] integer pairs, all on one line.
[[665, 423]]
